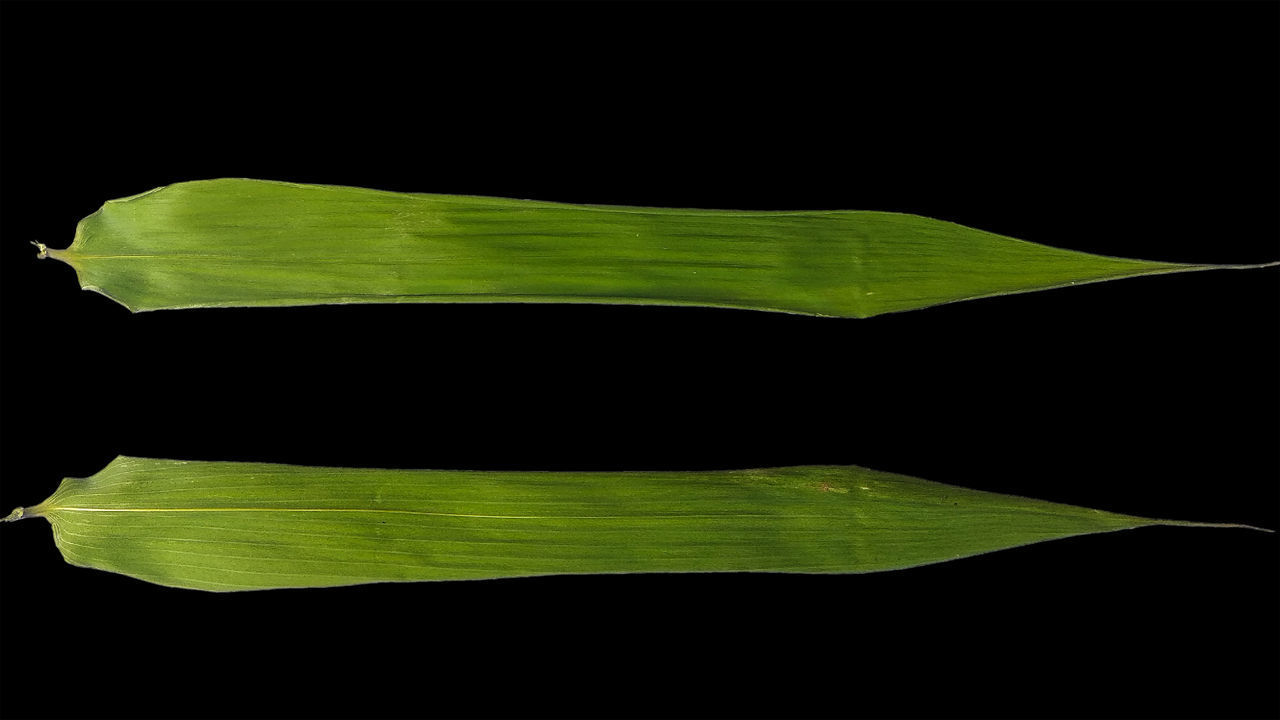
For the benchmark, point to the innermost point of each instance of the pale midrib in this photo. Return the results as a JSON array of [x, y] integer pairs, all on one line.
[[422, 512], [731, 262]]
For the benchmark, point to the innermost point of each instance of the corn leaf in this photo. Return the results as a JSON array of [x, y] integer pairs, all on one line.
[[237, 526], [233, 242]]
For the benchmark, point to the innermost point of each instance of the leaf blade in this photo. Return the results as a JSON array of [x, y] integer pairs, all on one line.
[[237, 242], [239, 526]]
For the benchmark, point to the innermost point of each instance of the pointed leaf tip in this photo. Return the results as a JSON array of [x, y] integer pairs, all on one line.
[[1193, 523]]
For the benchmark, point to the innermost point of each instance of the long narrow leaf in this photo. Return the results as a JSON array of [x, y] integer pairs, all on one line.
[[237, 526], [231, 242]]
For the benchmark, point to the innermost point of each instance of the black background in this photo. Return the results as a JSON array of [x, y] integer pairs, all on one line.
[[1144, 130]]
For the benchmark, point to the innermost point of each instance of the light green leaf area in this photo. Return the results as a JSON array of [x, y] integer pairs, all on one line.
[[234, 242], [237, 526]]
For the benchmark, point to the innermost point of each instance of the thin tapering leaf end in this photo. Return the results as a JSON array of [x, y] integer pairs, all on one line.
[[1240, 266], [16, 515], [1193, 523]]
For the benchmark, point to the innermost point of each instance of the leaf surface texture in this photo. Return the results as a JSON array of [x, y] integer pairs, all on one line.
[[238, 526], [236, 242]]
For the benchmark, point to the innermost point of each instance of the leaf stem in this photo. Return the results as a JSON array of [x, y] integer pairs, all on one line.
[[16, 515]]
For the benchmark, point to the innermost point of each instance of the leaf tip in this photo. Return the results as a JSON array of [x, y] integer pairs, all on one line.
[[1244, 266], [1238, 526]]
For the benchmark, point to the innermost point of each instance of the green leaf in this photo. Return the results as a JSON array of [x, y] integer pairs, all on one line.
[[231, 242], [238, 526]]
